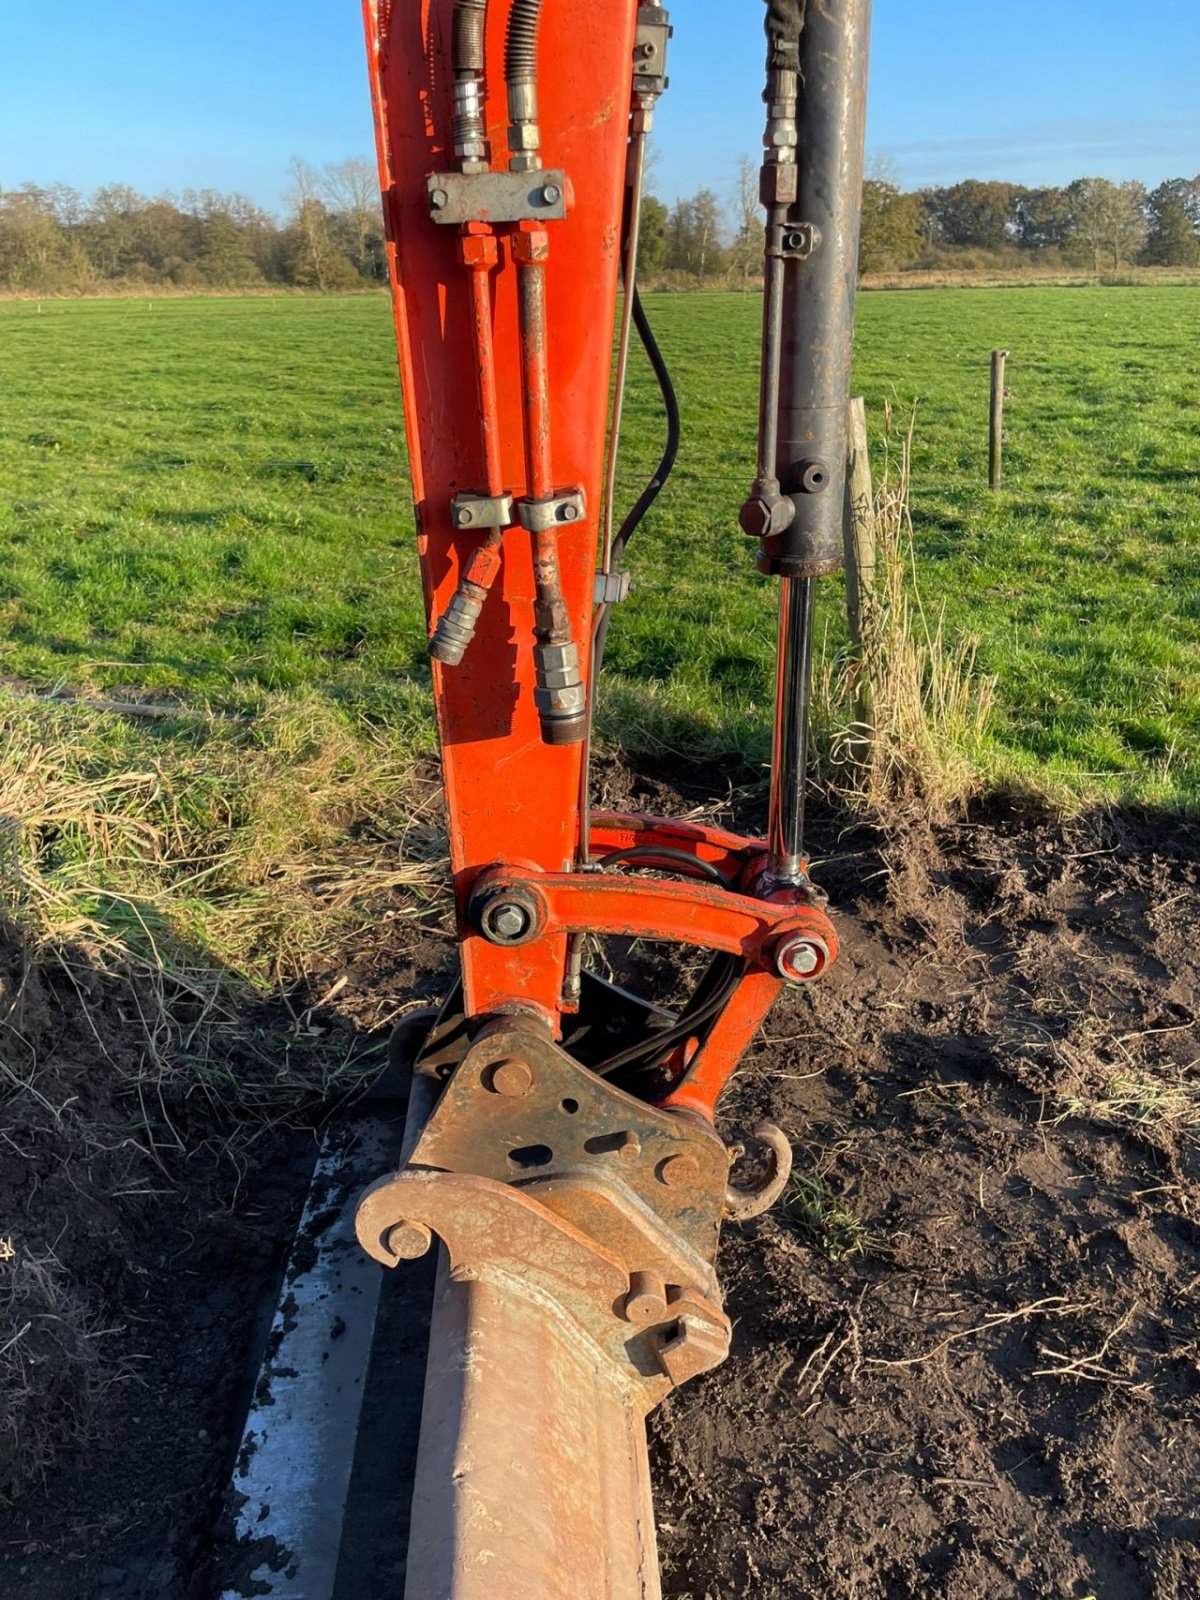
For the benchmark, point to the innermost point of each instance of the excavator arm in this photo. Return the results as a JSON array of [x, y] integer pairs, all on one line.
[[561, 1141]]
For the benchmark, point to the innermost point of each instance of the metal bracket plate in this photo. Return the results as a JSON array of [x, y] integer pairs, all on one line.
[[559, 1131], [458, 197], [650, 51], [560, 510], [482, 510]]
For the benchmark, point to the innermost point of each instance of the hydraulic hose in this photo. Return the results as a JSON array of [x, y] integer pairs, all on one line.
[[467, 60], [520, 42], [470, 17], [520, 74]]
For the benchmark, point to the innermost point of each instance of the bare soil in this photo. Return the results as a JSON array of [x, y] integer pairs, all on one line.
[[967, 1354], [967, 1350]]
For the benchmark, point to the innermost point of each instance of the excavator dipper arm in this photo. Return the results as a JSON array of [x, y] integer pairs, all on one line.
[[562, 1144]]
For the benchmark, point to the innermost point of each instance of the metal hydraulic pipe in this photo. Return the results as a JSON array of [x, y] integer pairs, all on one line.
[[485, 376], [559, 691], [635, 180], [531, 291]]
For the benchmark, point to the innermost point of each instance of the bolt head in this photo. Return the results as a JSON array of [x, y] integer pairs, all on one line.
[[755, 518], [679, 1170], [570, 513], [801, 958], [464, 516], [629, 1147], [438, 198], [407, 1241], [509, 921], [551, 194], [511, 1078]]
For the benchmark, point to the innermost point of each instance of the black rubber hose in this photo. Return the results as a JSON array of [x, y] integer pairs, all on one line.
[[466, 50], [520, 43], [652, 855], [709, 1000], [785, 24], [661, 473], [671, 449]]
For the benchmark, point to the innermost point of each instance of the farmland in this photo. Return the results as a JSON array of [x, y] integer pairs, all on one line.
[[975, 1307], [207, 498]]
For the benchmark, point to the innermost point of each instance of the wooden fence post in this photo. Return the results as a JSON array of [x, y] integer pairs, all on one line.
[[859, 523], [996, 426], [858, 538]]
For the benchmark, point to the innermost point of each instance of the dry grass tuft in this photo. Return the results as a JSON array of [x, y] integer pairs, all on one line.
[[51, 1369], [227, 854], [907, 716]]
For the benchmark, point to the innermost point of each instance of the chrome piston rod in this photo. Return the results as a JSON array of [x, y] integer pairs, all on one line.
[[789, 766]]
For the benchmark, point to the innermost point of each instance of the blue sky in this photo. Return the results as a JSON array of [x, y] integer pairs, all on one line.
[[222, 94]]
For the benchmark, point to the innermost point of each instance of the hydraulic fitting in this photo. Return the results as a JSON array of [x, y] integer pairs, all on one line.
[[558, 695]]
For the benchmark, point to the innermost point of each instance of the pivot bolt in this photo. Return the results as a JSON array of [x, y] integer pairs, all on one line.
[[628, 1146], [506, 922], [551, 194], [511, 1078], [464, 516], [438, 198], [678, 1170], [802, 958], [407, 1241]]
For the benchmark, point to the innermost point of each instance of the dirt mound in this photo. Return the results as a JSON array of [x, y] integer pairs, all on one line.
[[967, 1353]]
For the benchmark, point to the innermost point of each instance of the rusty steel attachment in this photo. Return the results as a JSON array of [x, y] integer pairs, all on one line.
[[578, 1289]]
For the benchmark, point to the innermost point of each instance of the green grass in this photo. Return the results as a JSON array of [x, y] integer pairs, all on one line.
[[209, 497]]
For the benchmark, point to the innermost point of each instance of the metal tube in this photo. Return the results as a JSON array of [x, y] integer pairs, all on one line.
[[485, 375], [772, 355], [785, 835], [531, 281], [637, 168], [559, 692]]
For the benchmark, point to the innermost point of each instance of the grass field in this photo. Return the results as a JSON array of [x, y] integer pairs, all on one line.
[[210, 497]]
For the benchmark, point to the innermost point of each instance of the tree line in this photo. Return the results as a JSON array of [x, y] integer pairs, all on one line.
[[968, 226], [54, 240]]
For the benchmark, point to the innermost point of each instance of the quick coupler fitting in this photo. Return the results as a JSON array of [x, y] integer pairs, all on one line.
[[456, 625], [559, 694]]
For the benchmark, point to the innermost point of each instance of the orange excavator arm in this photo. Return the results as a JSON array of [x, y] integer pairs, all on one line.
[[562, 1141]]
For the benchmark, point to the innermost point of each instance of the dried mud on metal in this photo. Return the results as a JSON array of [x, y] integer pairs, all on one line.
[[966, 1357]]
